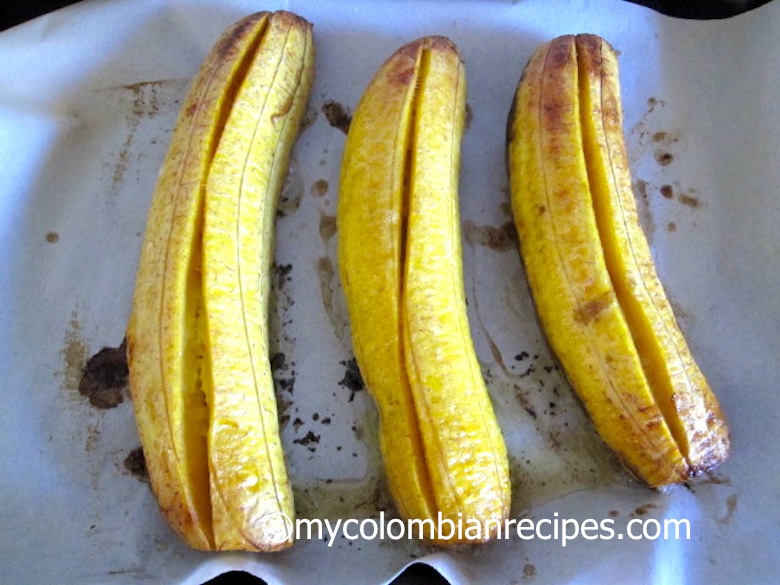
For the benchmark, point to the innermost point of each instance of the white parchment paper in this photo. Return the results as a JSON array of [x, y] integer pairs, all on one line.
[[88, 99]]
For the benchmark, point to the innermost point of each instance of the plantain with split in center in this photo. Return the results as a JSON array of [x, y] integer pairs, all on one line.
[[401, 269], [200, 375], [591, 272]]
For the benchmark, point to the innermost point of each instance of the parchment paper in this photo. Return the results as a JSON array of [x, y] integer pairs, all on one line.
[[88, 98]]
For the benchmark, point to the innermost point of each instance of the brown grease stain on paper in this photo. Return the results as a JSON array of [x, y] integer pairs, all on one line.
[[337, 115], [731, 507], [135, 464], [144, 103], [327, 227], [642, 195], [74, 354], [104, 379], [500, 238], [319, 188]]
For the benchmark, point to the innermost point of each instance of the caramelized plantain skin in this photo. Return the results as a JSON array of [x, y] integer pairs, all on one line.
[[591, 272]]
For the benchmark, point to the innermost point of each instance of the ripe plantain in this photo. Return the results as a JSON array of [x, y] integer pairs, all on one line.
[[591, 271], [401, 269], [197, 337]]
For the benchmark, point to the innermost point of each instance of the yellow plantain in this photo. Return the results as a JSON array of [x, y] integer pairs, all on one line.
[[249, 481], [591, 272], [169, 350], [401, 268]]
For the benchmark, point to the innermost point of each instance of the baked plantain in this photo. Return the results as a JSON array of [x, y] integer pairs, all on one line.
[[197, 337], [591, 272], [401, 268]]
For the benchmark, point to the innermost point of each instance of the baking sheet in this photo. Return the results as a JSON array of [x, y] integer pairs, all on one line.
[[88, 98]]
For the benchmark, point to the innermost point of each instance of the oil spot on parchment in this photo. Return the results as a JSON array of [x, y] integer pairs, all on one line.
[[652, 102], [469, 117], [327, 227], [731, 507], [330, 289], [292, 192], [352, 379], [135, 465], [74, 354], [529, 571], [105, 377], [500, 238], [52, 237], [641, 134], [326, 274], [337, 115], [144, 103], [663, 157], [680, 313], [642, 195], [664, 137], [689, 200], [506, 206], [319, 188], [644, 509], [309, 118], [715, 478]]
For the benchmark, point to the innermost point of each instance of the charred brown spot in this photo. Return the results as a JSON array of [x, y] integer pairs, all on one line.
[[105, 377], [663, 158], [52, 237], [352, 379], [230, 40], [592, 308], [290, 19], [590, 46], [555, 105], [561, 52], [135, 463], [402, 74], [667, 191], [443, 44], [411, 50], [337, 115]]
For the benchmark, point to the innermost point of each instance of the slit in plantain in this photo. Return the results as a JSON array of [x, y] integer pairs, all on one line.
[[410, 146], [600, 176], [194, 397]]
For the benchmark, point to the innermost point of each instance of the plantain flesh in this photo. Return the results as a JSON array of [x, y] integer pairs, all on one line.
[[591, 272], [197, 337], [401, 269]]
